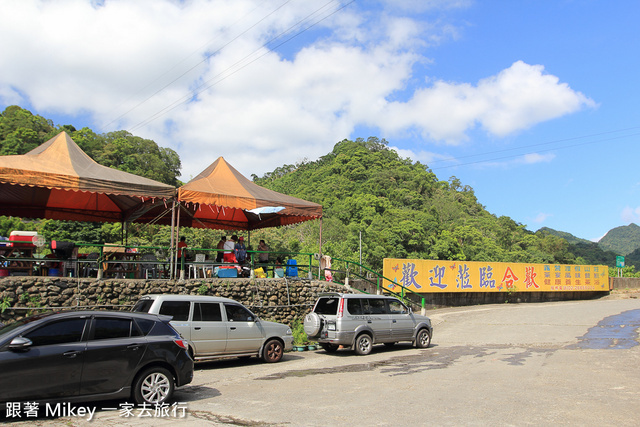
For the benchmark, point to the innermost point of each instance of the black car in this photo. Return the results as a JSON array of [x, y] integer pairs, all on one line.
[[92, 355]]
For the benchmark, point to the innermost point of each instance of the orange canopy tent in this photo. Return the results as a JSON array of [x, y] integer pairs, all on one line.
[[57, 180], [221, 197]]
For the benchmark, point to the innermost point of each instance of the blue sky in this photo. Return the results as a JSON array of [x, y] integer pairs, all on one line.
[[531, 103]]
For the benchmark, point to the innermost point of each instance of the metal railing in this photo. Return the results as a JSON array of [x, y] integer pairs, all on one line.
[[345, 272], [125, 260], [307, 266]]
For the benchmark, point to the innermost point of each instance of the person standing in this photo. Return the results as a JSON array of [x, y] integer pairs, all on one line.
[[240, 251], [229, 246], [263, 256], [182, 244]]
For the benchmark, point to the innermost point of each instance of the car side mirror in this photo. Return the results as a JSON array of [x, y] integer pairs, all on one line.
[[20, 343]]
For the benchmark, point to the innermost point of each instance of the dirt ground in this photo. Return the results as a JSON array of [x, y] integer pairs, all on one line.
[[624, 293]]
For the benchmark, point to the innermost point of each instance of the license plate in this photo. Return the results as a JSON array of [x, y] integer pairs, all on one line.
[[332, 327]]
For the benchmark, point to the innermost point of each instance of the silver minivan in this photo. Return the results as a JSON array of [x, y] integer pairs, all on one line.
[[219, 327], [360, 321]]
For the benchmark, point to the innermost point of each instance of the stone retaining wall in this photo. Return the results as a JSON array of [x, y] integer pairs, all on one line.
[[281, 300], [625, 283]]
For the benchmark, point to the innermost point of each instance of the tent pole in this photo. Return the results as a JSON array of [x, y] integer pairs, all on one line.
[[173, 227], [320, 248], [177, 240]]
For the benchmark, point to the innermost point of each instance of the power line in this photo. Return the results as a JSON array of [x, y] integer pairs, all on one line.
[[539, 151], [534, 145], [206, 58], [239, 64]]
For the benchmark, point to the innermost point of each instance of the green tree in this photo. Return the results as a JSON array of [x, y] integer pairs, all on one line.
[[21, 131], [139, 156]]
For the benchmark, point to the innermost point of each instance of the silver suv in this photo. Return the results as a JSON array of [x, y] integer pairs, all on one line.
[[220, 327], [359, 321]]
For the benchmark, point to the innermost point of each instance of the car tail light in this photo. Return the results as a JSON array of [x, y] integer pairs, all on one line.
[[182, 344], [340, 308]]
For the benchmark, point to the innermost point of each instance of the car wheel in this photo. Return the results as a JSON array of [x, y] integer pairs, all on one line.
[[312, 325], [153, 386], [329, 348], [273, 351], [363, 346], [423, 339]]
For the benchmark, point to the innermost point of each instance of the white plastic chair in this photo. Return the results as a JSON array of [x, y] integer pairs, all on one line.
[[149, 268], [206, 267], [193, 268]]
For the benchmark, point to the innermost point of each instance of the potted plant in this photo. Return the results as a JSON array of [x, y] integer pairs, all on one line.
[[299, 336]]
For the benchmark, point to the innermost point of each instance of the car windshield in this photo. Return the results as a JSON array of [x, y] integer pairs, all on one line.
[[142, 306], [327, 305]]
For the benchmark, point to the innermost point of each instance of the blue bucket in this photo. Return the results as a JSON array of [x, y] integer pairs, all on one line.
[[54, 272]]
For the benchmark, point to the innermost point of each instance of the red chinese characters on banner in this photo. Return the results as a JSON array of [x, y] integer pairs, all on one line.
[[509, 278], [530, 277], [469, 276]]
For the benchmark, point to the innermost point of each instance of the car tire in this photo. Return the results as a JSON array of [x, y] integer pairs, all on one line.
[[329, 348], [153, 386], [312, 325], [272, 351], [363, 344], [423, 338]]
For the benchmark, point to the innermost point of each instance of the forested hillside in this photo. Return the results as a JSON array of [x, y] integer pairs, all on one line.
[[622, 240], [373, 200], [585, 251], [21, 131], [403, 210], [570, 238]]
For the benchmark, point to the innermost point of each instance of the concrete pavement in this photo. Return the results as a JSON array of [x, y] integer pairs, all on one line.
[[566, 363]]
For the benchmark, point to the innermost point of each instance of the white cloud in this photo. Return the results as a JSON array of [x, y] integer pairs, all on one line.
[[133, 65], [424, 157], [515, 99], [541, 217], [532, 158], [629, 215]]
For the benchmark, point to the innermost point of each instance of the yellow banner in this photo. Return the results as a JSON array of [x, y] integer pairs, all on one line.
[[427, 276]]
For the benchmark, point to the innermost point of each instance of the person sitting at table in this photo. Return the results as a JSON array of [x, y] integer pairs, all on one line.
[[220, 248], [278, 271], [52, 264]]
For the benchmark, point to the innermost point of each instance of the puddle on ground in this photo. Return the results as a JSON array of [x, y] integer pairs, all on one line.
[[617, 332], [614, 332], [429, 359]]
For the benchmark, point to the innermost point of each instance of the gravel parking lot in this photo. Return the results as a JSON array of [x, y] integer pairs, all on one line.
[[568, 363]]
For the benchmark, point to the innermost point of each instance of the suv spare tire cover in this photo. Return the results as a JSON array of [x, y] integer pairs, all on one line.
[[312, 324]]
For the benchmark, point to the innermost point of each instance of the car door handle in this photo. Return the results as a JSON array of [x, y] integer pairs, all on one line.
[[394, 320], [369, 321], [133, 347], [233, 328], [197, 328], [71, 354]]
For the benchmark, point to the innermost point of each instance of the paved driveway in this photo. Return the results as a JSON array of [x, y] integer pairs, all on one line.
[[566, 363]]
